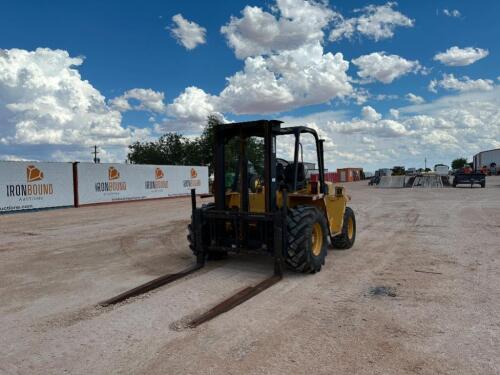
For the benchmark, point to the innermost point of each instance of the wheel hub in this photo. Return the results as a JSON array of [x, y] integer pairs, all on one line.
[[350, 228], [317, 239]]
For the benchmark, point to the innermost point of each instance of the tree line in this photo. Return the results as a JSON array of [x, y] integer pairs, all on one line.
[[175, 149]]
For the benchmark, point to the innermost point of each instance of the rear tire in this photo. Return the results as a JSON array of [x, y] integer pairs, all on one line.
[[307, 239], [346, 239]]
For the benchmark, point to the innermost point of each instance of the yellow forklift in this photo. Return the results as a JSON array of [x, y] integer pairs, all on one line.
[[269, 205], [279, 211]]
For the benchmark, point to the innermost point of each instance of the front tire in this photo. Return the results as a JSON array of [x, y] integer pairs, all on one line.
[[346, 239], [211, 255], [307, 239]]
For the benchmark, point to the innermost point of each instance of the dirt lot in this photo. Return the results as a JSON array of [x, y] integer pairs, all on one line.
[[56, 265]]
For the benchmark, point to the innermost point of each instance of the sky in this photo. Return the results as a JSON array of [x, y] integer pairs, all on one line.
[[384, 83]]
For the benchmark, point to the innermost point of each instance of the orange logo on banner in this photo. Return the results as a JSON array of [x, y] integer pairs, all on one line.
[[194, 174], [113, 173], [159, 174], [33, 174]]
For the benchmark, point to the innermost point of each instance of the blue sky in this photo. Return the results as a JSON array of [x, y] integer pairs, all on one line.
[[369, 120]]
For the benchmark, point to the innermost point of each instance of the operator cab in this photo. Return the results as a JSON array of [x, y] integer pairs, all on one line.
[[261, 159]]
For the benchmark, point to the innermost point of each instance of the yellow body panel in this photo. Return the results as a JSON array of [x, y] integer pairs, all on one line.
[[335, 208], [333, 204]]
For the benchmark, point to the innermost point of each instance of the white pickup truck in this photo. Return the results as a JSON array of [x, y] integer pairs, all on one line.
[[442, 170]]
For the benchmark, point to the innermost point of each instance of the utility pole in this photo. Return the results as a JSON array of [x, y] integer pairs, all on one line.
[[425, 163], [95, 152]]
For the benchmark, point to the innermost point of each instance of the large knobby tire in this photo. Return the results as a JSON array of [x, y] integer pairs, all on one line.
[[307, 239], [346, 238], [212, 255]]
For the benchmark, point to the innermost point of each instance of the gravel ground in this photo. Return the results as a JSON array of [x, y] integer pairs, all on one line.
[[419, 293]]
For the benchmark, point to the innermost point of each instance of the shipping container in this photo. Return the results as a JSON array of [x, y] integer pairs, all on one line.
[[329, 177], [350, 174]]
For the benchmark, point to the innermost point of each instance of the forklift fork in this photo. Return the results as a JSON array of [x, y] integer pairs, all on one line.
[[235, 300], [244, 295], [168, 278]]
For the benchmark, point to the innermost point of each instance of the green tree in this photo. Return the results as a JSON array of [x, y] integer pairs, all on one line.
[[175, 149], [169, 149], [458, 163]]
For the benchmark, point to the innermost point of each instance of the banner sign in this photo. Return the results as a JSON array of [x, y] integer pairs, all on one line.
[[33, 185], [99, 183]]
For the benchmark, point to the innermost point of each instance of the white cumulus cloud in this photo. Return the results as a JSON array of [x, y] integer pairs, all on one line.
[[293, 24], [375, 22], [287, 80], [450, 82], [415, 99], [285, 65], [384, 68], [370, 114], [142, 99], [456, 56], [371, 123], [460, 124], [386, 128], [187, 33], [45, 102], [189, 111], [394, 113]]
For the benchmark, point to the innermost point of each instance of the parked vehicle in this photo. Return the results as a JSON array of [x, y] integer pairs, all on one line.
[[441, 169], [465, 177], [374, 180]]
